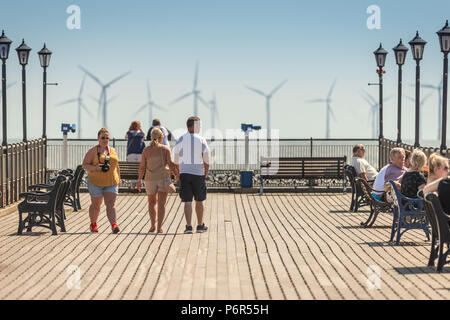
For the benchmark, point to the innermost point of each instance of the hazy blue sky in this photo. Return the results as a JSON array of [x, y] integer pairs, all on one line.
[[237, 43]]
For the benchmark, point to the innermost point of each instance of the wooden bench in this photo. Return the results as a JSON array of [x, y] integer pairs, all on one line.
[[302, 168], [129, 170]]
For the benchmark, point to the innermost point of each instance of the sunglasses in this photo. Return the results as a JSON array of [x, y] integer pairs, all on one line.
[[104, 138]]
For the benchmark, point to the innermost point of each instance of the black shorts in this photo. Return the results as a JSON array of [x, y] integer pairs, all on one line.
[[192, 186]]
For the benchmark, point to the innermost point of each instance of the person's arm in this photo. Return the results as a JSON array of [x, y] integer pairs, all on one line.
[[172, 166], [176, 156], [141, 171], [205, 157], [432, 187], [363, 175], [87, 161]]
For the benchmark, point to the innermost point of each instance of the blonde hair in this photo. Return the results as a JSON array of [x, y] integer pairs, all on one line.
[[435, 161], [396, 151], [418, 159], [156, 135], [102, 130]]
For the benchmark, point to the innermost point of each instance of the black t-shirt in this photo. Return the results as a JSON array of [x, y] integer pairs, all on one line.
[[411, 182], [444, 195]]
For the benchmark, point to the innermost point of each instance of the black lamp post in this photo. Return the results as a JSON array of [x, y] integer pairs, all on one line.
[[444, 39], [23, 52], [400, 54], [5, 44], [380, 57], [44, 57], [417, 48]]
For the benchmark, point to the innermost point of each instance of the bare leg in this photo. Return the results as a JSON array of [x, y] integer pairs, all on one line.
[[94, 208], [152, 210], [188, 213], [199, 211], [110, 202], [162, 196]]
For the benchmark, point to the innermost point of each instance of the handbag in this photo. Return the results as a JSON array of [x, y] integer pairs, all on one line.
[[171, 188]]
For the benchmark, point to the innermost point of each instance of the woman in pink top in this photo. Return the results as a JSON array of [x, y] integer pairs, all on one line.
[[155, 163]]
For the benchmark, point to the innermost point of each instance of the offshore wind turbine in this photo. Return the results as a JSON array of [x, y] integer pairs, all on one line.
[[374, 115], [81, 105], [422, 102], [439, 92], [150, 104], [329, 111], [268, 97], [103, 101], [214, 111], [195, 92]]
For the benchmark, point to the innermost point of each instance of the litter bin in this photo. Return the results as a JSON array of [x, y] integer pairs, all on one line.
[[246, 179]]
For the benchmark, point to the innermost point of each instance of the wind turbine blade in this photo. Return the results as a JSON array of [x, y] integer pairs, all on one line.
[[409, 98], [387, 98], [369, 96], [117, 79], [86, 109], [256, 90], [277, 88], [181, 98], [195, 76], [367, 100], [82, 86], [91, 75], [141, 108], [332, 115], [332, 88], [426, 98], [429, 86], [67, 101], [316, 100], [93, 98], [203, 101], [157, 106], [149, 94], [10, 85], [112, 99]]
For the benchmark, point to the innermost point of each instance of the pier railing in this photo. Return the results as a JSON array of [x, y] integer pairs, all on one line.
[[21, 164], [387, 145], [227, 154]]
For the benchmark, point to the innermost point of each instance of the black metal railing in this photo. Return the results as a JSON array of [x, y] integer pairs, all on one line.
[[387, 145], [21, 164], [227, 154]]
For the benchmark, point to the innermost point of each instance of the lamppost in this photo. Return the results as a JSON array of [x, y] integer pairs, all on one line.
[[23, 52], [444, 39], [44, 58], [380, 57], [417, 47], [400, 54], [5, 44]]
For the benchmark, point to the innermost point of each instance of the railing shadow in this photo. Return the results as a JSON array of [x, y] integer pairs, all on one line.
[[420, 270], [392, 244], [363, 227]]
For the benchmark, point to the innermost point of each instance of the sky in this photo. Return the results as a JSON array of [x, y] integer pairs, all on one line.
[[257, 43]]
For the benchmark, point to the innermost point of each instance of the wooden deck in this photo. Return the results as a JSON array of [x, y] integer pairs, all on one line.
[[278, 246]]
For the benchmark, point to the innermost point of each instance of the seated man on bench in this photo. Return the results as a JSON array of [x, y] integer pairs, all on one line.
[[363, 168]]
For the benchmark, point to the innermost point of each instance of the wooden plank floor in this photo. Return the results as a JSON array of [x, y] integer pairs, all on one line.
[[278, 246]]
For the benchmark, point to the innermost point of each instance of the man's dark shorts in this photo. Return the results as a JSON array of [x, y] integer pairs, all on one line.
[[192, 186]]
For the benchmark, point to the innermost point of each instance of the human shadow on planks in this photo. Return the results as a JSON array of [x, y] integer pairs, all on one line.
[[350, 212], [421, 270]]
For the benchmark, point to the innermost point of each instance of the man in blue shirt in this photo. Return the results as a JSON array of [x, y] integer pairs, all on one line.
[[191, 153]]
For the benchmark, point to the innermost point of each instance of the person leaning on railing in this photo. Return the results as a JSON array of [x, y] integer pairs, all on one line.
[[102, 164]]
